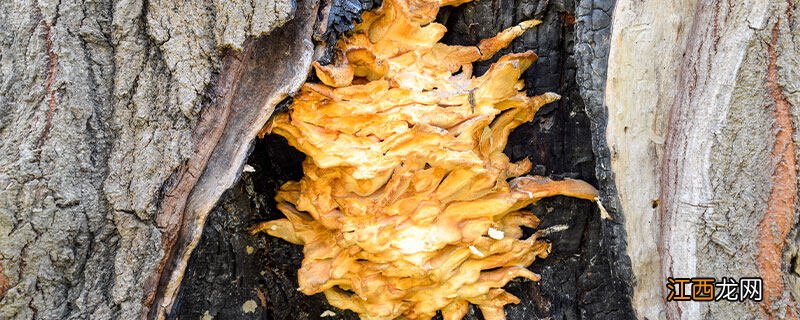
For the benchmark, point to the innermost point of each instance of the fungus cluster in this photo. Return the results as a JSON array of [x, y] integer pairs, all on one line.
[[408, 205]]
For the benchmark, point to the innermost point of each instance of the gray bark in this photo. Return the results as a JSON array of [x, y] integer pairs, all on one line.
[[99, 105]]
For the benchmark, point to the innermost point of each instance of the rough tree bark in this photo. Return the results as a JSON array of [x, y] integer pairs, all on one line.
[[124, 124], [100, 118]]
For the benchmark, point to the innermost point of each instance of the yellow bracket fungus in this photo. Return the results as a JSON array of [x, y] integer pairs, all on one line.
[[408, 205]]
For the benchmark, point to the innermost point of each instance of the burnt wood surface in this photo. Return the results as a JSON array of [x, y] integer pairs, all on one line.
[[587, 276]]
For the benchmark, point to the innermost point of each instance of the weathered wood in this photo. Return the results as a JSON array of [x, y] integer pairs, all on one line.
[[701, 128], [646, 53]]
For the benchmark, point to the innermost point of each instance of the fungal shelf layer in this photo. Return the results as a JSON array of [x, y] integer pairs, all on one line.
[[408, 205]]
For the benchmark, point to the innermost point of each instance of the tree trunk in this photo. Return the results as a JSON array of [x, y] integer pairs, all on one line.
[[125, 127], [703, 134], [109, 112]]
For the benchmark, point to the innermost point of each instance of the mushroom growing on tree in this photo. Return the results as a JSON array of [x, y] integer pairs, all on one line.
[[408, 205], [130, 172]]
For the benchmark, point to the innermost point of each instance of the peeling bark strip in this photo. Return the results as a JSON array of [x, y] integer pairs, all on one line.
[[206, 136], [779, 218], [252, 83]]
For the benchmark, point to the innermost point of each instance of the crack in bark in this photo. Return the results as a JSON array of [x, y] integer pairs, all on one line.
[[51, 76]]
